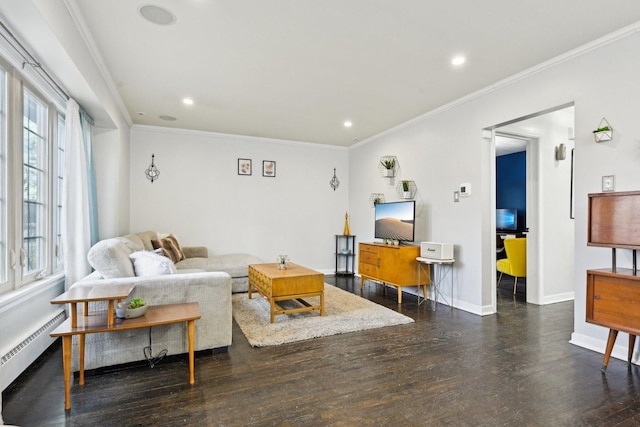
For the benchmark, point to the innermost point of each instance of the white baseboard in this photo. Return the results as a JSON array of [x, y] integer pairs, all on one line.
[[620, 349]]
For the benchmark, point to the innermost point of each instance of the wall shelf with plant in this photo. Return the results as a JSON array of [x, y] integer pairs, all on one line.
[[406, 189], [388, 166], [604, 131], [376, 198]]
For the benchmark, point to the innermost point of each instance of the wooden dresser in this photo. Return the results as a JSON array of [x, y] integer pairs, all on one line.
[[391, 265]]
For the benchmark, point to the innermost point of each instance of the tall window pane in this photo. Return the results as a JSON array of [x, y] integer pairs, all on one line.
[[34, 183], [58, 258]]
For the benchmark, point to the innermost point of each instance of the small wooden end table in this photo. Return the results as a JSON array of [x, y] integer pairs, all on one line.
[[103, 321], [294, 282]]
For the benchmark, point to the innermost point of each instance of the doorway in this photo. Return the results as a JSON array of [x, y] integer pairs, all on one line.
[[549, 225]]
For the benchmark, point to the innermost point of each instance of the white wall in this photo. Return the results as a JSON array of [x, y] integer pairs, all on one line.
[[444, 148], [200, 197], [614, 89], [111, 161]]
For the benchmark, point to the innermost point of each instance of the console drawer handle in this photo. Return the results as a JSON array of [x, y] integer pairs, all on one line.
[[597, 297]]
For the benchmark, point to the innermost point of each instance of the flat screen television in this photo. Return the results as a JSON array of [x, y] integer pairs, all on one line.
[[507, 219], [395, 220]]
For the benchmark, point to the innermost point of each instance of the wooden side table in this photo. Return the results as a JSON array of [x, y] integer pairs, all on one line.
[[103, 321], [86, 294]]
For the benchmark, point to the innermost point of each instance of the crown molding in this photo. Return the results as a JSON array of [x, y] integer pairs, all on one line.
[[235, 137]]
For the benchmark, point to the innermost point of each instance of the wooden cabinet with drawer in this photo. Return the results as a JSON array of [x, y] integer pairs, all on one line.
[[613, 294], [391, 265]]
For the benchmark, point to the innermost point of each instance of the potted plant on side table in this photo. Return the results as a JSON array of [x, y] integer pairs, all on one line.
[[129, 310]]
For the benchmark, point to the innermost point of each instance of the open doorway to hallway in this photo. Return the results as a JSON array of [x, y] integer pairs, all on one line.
[[548, 225]]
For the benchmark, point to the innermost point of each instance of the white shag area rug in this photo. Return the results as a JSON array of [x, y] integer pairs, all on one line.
[[344, 312]]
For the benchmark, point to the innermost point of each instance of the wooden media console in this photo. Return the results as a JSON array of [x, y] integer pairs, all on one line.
[[392, 265]]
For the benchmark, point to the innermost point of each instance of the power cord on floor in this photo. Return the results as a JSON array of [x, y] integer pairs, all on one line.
[[148, 353]]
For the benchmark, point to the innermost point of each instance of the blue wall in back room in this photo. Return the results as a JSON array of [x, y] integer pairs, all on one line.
[[511, 184]]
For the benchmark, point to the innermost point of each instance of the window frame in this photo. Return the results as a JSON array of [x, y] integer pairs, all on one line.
[[12, 188]]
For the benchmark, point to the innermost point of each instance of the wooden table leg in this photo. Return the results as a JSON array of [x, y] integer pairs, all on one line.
[[322, 304], [110, 310], [399, 294], [272, 309], [66, 368], [632, 343], [613, 334], [192, 331], [81, 358], [74, 314]]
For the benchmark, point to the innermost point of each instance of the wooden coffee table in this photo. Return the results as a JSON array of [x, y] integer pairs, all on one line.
[[295, 282]]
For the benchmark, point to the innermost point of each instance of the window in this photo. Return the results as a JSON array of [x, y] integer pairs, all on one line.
[[31, 160], [35, 173]]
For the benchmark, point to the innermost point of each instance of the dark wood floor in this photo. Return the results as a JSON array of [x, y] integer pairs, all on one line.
[[448, 368]]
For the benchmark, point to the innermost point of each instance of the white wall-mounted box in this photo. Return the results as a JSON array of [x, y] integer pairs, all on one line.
[[436, 250]]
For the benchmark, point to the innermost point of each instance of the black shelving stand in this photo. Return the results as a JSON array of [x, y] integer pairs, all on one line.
[[345, 254]]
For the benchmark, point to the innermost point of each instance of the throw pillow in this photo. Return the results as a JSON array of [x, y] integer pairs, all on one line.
[[171, 245], [146, 263]]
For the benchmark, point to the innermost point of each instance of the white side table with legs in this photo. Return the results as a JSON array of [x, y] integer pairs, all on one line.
[[438, 271]]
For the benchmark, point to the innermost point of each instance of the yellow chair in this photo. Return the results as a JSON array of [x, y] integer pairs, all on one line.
[[515, 264]]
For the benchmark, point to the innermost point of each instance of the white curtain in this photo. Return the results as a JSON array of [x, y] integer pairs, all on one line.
[[76, 218]]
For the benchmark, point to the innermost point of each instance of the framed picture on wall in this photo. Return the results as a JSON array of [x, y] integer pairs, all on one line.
[[269, 168], [244, 166]]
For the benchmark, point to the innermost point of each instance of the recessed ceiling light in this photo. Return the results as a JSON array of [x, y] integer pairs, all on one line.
[[140, 113], [348, 124], [458, 60], [168, 118], [187, 101], [157, 15]]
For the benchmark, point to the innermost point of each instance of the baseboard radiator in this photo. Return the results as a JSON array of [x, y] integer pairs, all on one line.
[[23, 354]]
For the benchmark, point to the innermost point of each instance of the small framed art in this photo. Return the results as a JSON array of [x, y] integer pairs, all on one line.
[[269, 168], [244, 166]]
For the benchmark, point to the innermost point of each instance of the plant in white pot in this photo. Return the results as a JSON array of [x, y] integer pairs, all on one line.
[[406, 189], [389, 166], [129, 310]]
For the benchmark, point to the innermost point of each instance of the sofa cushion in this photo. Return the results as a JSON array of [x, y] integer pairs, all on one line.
[[147, 237], [171, 246], [110, 258], [134, 242], [236, 265], [146, 263]]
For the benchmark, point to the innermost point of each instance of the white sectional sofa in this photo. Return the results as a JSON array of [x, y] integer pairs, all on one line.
[[197, 278]]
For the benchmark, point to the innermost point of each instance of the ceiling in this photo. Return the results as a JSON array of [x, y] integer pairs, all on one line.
[[298, 69]]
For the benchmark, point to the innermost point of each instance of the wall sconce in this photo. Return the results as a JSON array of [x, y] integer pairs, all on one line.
[[334, 183], [561, 152], [152, 173]]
